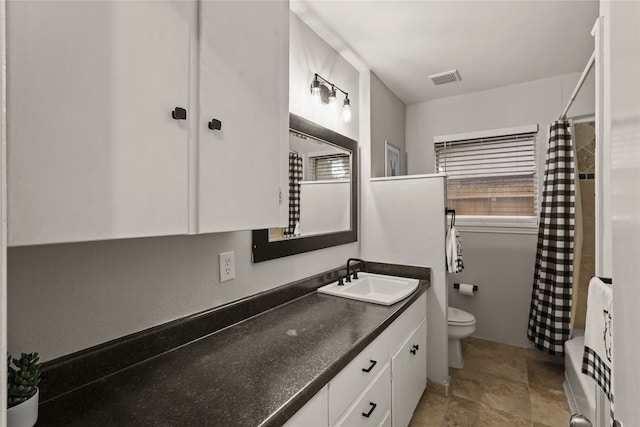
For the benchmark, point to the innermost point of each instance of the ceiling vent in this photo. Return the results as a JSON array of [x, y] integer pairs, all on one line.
[[446, 77]]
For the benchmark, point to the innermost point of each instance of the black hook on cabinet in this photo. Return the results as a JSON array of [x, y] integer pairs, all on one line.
[[215, 124], [453, 215], [179, 113]]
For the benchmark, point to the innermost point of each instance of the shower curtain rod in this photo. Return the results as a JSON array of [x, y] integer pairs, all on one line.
[[583, 77]]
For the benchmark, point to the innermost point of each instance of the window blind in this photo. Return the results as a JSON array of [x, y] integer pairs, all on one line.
[[493, 176], [335, 166]]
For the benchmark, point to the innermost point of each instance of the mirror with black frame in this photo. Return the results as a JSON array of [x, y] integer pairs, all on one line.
[[322, 195]]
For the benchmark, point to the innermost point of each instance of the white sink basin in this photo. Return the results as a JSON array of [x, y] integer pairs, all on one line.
[[375, 288]]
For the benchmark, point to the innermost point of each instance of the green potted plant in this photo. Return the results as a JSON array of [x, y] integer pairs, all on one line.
[[22, 395]]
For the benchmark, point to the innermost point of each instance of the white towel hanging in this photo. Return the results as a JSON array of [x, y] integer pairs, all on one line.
[[453, 249], [597, 359]]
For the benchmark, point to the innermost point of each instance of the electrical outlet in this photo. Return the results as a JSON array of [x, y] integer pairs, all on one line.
[[227, 266]]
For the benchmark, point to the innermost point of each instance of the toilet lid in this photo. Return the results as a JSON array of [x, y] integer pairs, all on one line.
[[456, 316]]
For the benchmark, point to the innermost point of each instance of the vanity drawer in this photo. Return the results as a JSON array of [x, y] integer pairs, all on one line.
[[350, 381], [373, 404]]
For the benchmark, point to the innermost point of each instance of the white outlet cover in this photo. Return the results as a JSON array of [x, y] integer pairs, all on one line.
[[227, 266]]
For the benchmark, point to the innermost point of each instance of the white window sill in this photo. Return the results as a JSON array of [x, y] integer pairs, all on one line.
[[508, 225]]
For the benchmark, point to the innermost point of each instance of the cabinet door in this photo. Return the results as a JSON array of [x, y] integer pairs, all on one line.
[[244, 71], [409, 375], [93, 150]]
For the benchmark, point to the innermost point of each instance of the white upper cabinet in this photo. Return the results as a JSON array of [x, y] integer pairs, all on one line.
[[93, 152], [244, 83]]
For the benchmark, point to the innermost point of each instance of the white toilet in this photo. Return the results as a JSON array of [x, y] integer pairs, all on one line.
[[461, 325]]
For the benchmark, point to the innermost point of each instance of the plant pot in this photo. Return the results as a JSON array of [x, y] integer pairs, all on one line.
[[24, 414]]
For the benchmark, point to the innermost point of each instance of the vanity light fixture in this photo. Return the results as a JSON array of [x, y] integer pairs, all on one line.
[[325, 92]]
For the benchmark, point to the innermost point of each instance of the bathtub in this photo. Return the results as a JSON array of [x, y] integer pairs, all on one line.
[[579, 388]]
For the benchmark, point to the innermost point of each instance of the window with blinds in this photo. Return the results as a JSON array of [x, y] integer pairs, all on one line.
[[494, 176], [335, 166]]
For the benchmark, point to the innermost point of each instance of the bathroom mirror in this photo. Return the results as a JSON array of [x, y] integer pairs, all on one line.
[[322, 194]]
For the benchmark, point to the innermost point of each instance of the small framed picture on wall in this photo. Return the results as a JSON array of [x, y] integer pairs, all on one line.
[[391, 159]]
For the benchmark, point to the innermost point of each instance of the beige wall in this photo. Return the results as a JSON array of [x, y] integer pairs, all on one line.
[[63, 298], [387, 124]]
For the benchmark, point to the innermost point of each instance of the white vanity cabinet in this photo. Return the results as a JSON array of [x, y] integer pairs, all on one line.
[[387, 378], [94, 152]]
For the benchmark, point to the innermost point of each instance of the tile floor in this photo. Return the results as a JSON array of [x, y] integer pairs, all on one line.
[[500, 385]]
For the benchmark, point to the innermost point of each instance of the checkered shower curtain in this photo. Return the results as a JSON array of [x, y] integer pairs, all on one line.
[[295, 176], [550, 313]]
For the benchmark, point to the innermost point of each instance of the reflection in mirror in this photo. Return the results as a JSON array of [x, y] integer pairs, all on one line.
[[319, 188], [322, 194]]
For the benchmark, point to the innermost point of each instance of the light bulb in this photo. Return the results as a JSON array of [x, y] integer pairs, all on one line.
[[333, 100], [315, 90], [346, 110]]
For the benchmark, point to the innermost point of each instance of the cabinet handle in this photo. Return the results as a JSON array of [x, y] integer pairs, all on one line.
[[414, 349], [373, 363], [368, 414], [215, 124], [179, 113]]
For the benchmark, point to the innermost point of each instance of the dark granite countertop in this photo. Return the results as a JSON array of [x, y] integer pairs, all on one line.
[[257, 372]]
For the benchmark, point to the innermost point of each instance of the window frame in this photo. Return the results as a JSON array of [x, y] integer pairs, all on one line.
[[499, 224]]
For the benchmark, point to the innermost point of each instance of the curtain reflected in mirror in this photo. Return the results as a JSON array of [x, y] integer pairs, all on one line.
[[319, 188]]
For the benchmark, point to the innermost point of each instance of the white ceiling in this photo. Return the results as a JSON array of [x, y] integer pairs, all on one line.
[[491, 43]]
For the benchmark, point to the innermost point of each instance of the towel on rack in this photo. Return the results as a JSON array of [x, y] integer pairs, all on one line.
[[453, 249], [597, 358]]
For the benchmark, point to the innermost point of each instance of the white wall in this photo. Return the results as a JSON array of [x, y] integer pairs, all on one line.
[[387, 123], [405, 224], [63, 298], [310, 55], [3, 216], [501, 264], [622, 56]]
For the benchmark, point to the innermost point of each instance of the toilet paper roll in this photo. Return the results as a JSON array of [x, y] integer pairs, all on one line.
[[466, 289]]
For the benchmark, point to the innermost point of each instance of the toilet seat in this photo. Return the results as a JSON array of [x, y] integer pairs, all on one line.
[[458, 317]]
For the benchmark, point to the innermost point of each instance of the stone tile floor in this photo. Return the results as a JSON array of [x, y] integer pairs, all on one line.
[[500, 385]]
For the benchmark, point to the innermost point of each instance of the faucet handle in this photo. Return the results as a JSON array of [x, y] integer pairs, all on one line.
[[340, 282]]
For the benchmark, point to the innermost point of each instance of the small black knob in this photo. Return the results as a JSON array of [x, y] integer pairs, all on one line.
[[215, 124], [179, 113], [340, 282], [416, 347]]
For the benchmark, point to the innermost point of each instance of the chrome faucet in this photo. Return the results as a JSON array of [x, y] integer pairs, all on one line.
[[355, 273]]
